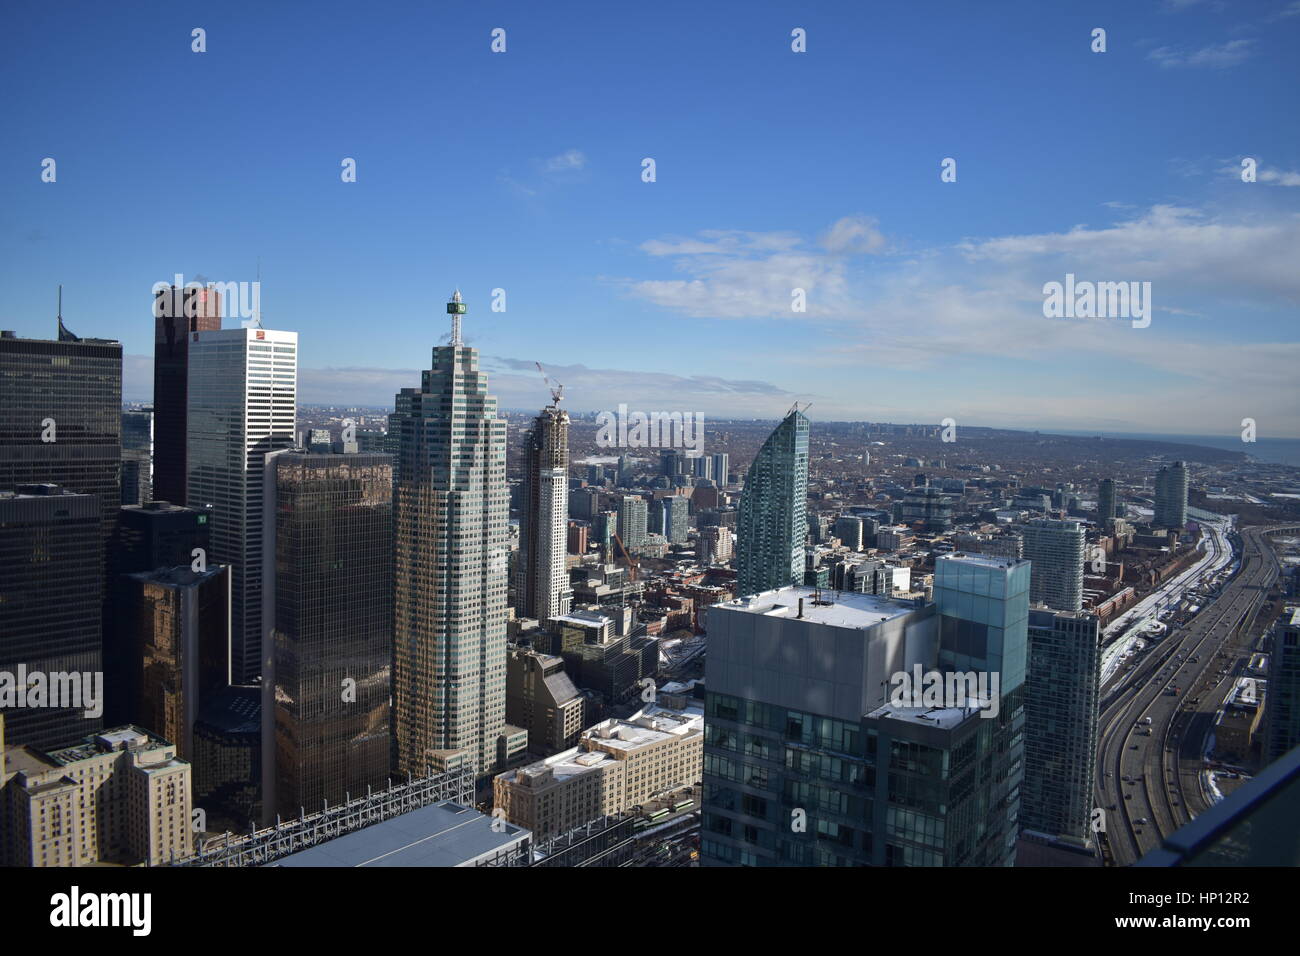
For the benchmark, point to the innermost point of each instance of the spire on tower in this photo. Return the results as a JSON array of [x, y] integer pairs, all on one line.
[[456, 308]]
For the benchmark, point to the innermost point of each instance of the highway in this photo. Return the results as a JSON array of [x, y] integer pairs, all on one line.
[[1149, 776]]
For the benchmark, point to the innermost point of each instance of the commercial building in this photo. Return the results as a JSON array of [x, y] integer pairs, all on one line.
[[1056, 550], [329, 518], [61, 417], [1061, 701], [772, 523], [617, 764], [51, 604], [242, 399], [178, 314], [120, 796], [542, 699], [451, 514]]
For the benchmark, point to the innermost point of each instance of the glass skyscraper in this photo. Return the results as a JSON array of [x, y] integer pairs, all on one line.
[[1171, 497], [542, 583], [178, 313], [451, 509], [1056, 550], [333, 637], [773, 523]]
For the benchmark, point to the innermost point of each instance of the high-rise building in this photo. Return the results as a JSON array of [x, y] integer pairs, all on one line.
[[451, 513], [773, 522], [714, 545], [542, 578], [633, 517], [1282, 701], [1106, 501], [242, 399], [178, 314], [542, 699], [1061, 724], [51, 607], [61, 417], [1056, 549], [721, 468], [676, 518], [577, 537], [927, 507], [848, 528], [809, 760], [1171, 497], [331, 517], [137, 456]]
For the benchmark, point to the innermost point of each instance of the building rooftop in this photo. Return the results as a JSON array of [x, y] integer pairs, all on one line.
[[945, 718], [442, 834], [983, 560], [836, 608]]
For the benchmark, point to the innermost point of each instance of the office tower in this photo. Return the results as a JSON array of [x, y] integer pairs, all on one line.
[[927, 507], [624, 470], [452, 555], [633, 515], [228, 757], [137, 456], [61, 417], [1282, 700], [1106, 501], [157, 534], [603, 657], [676, 518], [1056, 549], [984, 601], [121, 796], [596, 474], [618, 764], [170, 648], [672, 462], [1171, 497], [603, 527], [699, 466], [542, 699], [721, 468], [242, 399], [848, 528], [772, 525], [577, 538], [178, 314], [714, 545], [332, 520], [1061, 724], [51, 607], [542, 578]]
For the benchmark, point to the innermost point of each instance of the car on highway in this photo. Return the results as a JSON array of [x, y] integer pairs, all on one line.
[[1141, 821]]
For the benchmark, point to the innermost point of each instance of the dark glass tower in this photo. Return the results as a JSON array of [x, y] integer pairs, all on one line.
[[177, 313], [61, 416], [51, 582], [1106, 501], [333, 627], [773, 522]]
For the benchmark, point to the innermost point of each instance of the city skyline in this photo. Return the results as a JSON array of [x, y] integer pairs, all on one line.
[[905, 274]]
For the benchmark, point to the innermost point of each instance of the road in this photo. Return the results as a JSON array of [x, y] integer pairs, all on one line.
[[1163, 762]]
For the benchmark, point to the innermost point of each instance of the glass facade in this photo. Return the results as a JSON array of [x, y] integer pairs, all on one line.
[[773, 524], [333, 627]]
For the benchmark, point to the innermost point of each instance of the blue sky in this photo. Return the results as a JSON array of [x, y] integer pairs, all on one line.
[[775, 170]]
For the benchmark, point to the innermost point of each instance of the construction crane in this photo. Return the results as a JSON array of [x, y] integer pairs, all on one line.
[[557, 390], [632, 565]]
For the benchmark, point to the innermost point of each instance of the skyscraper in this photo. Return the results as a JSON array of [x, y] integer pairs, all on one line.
[[333, 635], [542, 582], [1171, 497], [51, 588], [242, 399], [451, 510], [1061, 724], [61, 416], [721, 468], [178, 313], [676, 518], [1055, 549], [633, 518], [772, 524], [1106, 501], [137, 456]]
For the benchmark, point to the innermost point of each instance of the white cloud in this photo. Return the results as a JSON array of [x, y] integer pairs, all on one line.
[[1215, 57], [568, 161]]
